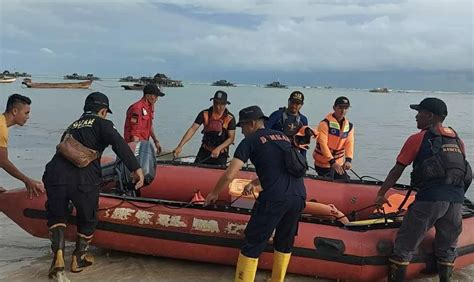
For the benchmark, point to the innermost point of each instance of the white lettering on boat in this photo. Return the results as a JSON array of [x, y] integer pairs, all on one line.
[[144, 217], [122, 213], [235, 228], [167, 220], [204, 225]]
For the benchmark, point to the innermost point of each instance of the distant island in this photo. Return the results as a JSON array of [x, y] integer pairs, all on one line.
[[159, 79], [276, 84], [7, 73], [129, 79], [75, 76], [380, 90], [223, 82]]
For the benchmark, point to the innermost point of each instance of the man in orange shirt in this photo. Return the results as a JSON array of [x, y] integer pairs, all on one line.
[[16, 113], [140, 115], [442, 175], [335, 146]]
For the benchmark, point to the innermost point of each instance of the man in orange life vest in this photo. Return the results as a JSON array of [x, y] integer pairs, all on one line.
[[219, 132], [335, 146], [139, 119], [442, 175]]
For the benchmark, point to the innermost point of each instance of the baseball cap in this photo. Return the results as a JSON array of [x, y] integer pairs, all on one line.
[[342, 101], [153, 89], [433, 105], [297, 96], [98, 98], [220, 95], [250, 113]]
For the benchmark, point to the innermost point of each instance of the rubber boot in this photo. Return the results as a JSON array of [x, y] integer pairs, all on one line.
[[80, 258], [57, 246], [246, 269], [397, 270], [280, 264], [445, 270]]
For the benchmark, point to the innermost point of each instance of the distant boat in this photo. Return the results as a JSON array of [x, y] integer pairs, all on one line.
[[6, 79], [380, 90], [129, 79], [64, 85], [276, 84], [223, 82], [136, 86]]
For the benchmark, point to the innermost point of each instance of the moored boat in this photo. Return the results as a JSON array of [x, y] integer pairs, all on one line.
[[380, 90], [276, 84], [6, 79], [136, 86], [164, 221], [66, 85]]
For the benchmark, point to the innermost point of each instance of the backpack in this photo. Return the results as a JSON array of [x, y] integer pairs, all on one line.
[[295, 163]]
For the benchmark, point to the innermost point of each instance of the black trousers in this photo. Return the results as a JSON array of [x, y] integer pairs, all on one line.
[[328, 172], [204, 157], [281, 216], [85, 199]]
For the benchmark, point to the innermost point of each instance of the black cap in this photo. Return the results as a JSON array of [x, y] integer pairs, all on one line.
[[250, 113], [342, 101], [297, 96], [220, 95], [98, 98], [433, 105], [153, 89]]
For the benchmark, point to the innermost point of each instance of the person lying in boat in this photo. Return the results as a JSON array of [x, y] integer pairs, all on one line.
[[279, 204], [17, 113], [289, 120], [442, 175], [335, 146], [69, 178], [218, 132]]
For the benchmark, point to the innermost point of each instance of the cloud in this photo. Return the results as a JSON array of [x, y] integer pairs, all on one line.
[[241, 35], [47, 51]]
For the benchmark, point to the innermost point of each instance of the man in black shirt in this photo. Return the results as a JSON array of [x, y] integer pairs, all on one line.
[[278, 206], [65, 182], [218, 132]]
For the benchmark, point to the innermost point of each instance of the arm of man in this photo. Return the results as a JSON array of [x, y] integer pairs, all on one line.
[[186, 137], [155, 140], [323, 140], [134, 113], [32, 186], [389, 182], [111, 136], [216, 152], [224, 181], [349, 150], [406, 156]]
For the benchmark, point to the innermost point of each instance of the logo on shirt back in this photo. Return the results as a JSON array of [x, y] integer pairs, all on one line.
[[144, 112]]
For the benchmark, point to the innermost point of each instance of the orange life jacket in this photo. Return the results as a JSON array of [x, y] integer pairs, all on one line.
[[334, 142], [302, 138], [215, 129]]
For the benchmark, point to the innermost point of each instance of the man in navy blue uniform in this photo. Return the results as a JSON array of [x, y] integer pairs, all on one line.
[[289, 120], [278, 206]]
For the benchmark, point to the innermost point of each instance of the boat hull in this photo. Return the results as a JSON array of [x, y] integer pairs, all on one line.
[[69, 85], [7, 80], [215, 233]]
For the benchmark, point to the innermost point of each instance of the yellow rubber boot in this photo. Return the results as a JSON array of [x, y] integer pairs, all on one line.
[[246, 269], [280, 264]]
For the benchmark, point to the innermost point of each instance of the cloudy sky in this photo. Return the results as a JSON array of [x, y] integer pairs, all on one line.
[[413, 44]]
